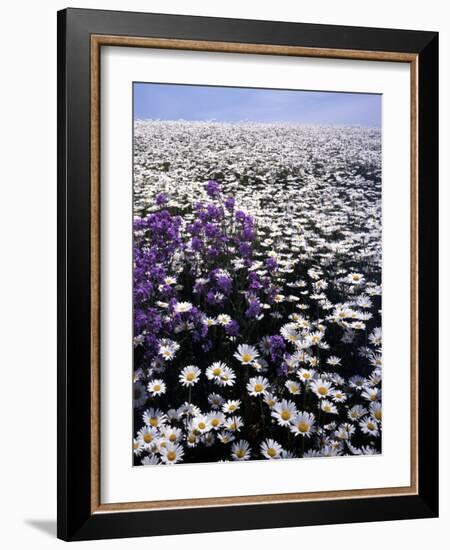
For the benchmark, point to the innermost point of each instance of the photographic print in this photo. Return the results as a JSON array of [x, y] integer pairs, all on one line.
[[257, 269]]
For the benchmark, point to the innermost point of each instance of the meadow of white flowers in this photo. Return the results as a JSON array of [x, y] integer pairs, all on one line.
[[257, 291]]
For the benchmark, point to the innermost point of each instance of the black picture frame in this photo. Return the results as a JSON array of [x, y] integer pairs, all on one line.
[[75, 518]]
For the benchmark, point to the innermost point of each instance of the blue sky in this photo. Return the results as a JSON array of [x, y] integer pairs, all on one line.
[[180, 102]]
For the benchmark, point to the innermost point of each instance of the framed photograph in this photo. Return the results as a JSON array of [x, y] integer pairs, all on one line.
[[247, 274]]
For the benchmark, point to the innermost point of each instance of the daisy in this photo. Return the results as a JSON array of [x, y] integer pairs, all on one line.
[[138, 447], [246, 354], [357, 382], [147, 436], [215, 371], [355, 278], [315, 338], [192, 439], [292, 387], [189, 375], [375, 410], [333, 361], [376, 360], [257, 386], [284, 411], [328, 407], [338, 396], [305, 375], [270, 400], [375, 337], [156, 387], [234, 423], [182, 307], [375, 378], [215, 400], [345, 431], [227, 378], [303, 424], [321, 388], [240, 450], [152, 460], [290, 333], [231, 406], [215, 420], [172, 453], [264, 345], [271, 449], [369, 426], [226, 437], [223, 319], [200, 424], [371, 394], [168, 349], [356, 412], [154, 418], [172, 434]]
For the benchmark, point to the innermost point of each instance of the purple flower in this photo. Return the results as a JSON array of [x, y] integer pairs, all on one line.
[[212, 188], [161, 199], [196, 244], [229, 203], [271, 263], [254, 309], [232, 329], [282, 370], [240, 216], [277, 347], [245, 250]]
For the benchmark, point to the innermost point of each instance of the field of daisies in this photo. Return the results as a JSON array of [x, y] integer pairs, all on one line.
[[257, 291]]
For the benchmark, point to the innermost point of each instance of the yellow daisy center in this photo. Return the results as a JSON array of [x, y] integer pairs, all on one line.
[[153, 422], [201, 425], [286, 415], [378, 414], [172, 437], [240, 453], [171, 456], [259, 388], [271, 452], [371, 425], [246, 357], [215, 422], [190, 376], [156, 387], [148, 438], [303, 427], [323, 390]]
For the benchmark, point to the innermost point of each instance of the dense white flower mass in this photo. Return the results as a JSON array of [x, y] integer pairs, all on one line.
[[257, 291]]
